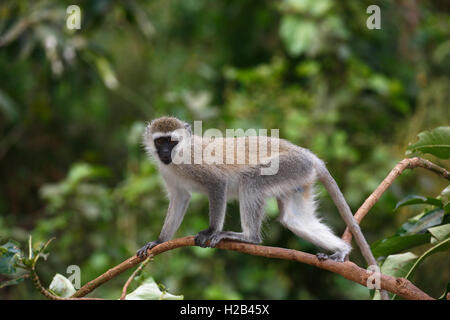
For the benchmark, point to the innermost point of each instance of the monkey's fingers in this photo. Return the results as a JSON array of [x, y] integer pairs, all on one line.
[[142, 252], [337, 256], [322, 256], [204, 236]]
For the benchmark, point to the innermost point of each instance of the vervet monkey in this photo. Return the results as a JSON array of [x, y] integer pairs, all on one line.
[[292, 185]]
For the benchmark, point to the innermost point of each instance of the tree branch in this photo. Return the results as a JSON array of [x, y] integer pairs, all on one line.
[[349, 270], [408, 163]]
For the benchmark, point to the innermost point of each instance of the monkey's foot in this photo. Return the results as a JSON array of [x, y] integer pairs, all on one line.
[[337, 256], [322, 256], [230, 235], [142, 252], [203, 236]]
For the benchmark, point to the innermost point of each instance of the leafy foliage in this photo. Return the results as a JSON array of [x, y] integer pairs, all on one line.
[[8, 257]]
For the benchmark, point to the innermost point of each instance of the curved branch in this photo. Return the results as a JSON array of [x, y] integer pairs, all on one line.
[[349, 270], [408, 163]]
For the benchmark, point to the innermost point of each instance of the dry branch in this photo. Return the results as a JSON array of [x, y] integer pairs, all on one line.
[[409, 163], [349, 270]]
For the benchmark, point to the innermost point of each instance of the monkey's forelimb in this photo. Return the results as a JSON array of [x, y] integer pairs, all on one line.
[[178, 203]]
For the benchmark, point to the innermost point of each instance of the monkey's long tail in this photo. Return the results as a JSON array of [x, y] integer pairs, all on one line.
[[330, 184]]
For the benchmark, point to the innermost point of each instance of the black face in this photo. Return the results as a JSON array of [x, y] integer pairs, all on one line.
[[164, 146]]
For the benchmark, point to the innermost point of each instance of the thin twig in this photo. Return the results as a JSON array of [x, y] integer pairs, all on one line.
[[125, 287], [409, 163]]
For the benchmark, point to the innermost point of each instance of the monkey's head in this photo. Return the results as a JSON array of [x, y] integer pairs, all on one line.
[[163, 134]]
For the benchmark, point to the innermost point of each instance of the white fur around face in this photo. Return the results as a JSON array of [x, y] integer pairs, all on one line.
[[157, 135], [176, 135], [181, 135], [149, 144]]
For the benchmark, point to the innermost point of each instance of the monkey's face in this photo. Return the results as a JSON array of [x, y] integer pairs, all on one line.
[[164, 146]]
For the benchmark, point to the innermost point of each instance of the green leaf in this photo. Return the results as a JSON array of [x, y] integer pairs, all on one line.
[[435, 142], [410, 234], [441, 246], [421, 222], [440, 233], [9, 253], [398, 265], [447, 208], [416, 199], [149, 290], [398, 243]]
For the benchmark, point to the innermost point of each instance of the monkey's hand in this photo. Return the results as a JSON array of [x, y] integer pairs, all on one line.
[[203, 236], [142, 252]]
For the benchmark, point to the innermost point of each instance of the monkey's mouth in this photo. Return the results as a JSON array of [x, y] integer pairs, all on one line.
[[166, 160]]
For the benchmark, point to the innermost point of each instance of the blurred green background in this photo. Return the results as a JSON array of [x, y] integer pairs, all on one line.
[[73, 104]]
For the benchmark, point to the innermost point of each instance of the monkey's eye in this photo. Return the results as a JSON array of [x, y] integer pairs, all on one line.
[[160, 141], [173, 142]]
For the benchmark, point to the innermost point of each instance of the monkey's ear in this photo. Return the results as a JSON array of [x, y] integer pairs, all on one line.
[[187, 126], [147, 129]]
